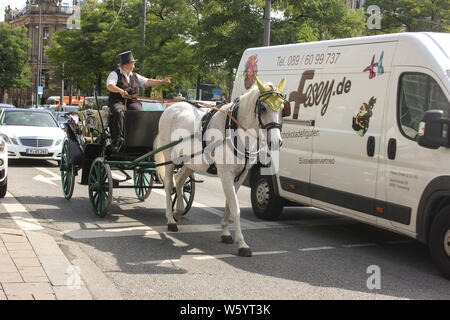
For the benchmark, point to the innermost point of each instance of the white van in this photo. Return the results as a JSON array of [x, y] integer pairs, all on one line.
[[367, 135]]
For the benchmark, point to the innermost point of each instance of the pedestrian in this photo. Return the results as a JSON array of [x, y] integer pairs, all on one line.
[[122, 83]]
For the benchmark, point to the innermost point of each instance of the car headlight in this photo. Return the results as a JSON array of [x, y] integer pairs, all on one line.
[[58, 142], [6, 138], [2, 147]]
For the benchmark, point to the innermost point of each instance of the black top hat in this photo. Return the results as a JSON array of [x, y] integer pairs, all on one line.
[[126, 57]]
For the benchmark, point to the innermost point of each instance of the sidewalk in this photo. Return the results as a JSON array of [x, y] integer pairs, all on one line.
[[33, 267]]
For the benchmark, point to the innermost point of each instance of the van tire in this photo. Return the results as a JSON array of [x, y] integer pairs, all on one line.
[[439, 244], [265, 203]]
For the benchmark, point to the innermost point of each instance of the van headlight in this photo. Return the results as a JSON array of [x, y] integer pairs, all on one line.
[[8, 140]]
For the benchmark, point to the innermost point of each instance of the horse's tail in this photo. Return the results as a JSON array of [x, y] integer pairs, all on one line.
[[159, 158]]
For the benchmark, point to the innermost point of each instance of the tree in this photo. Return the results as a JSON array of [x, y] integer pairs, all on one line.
[[313, 20], [412, 15], [14, 69]]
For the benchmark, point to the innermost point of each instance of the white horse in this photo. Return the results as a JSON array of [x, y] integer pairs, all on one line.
[[263, 107]]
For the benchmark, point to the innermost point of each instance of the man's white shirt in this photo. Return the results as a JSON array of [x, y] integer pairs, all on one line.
[[113, 78]]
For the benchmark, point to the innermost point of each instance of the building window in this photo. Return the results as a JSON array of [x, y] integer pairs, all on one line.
[[45, 33], [418, 93]]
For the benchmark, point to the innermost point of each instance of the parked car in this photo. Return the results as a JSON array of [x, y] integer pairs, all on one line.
[[3, 168], [61, 119], [6, 105], [31, 134]]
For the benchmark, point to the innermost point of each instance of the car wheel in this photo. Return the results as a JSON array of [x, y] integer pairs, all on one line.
[[265, 203], [439, 242], [3, 189]]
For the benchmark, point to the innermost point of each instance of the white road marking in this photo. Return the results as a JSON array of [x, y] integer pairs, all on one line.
[[359, 245], [20, 214], [49, 180], [316, 249], [221, 256], [203, 257], [153, 262]]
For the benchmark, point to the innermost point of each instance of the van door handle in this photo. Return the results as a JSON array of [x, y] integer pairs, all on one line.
[[371, 146], [392, 148]]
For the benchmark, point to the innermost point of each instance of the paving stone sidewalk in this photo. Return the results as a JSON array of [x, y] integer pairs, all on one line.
[[33, 267]]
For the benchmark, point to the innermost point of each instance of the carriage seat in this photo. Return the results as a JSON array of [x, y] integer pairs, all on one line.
[[141, 129]]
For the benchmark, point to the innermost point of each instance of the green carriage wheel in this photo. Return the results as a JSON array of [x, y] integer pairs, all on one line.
[[188, 195], [67, 170], [100, 187], [143, 183]]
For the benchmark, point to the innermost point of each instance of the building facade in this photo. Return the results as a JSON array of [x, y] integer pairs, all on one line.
[[41, 18]]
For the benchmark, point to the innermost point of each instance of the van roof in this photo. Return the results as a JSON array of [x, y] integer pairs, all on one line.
[[442, 38]]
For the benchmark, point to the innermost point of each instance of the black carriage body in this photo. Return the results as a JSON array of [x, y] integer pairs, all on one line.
[[141, 129]]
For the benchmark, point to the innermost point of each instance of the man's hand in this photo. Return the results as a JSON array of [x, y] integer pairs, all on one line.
[[124, 93], [166, 80]]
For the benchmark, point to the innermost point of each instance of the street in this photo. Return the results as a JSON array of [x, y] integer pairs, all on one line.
[[306, 254]]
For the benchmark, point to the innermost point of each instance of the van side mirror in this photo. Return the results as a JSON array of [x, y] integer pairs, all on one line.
[[433, 130]]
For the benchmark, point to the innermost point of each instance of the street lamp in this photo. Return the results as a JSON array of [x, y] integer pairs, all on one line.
[[38, 68], [267, 9]]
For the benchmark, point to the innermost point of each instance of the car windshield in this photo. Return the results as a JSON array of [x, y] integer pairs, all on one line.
[[28, 118]]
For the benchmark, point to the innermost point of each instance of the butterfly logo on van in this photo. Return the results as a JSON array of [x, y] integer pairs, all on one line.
[[360, 123], [379, 65]]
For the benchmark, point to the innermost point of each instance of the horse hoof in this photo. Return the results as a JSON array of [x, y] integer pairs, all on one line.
[[245, 252], [227, 239], [172, 227]]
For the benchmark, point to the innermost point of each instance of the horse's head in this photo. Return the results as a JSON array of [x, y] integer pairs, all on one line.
[[270, 109]]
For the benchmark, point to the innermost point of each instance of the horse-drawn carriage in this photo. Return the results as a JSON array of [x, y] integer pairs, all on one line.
[[259, 112], [99, 158]]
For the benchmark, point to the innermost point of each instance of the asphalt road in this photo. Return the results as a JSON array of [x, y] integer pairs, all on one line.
[[306, 254]]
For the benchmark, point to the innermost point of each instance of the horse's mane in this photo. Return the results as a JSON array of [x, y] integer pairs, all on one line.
[[249, 98]]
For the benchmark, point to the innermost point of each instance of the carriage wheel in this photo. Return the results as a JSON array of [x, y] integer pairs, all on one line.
[[188, 195], [100, 187], [67, 170], [142, 183]]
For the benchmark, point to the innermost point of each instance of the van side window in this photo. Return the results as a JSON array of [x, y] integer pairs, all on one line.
[[418, 93]]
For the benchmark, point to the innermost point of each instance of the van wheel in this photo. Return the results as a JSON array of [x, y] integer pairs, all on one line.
[[265, 203], [439, 243], [4, 188]]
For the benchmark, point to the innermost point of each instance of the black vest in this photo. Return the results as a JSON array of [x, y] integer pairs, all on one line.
[[131, 88]]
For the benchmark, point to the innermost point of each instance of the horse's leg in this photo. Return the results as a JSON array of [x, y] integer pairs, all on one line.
[[180, 179], [226, 235], [168, 187], [229, 189]]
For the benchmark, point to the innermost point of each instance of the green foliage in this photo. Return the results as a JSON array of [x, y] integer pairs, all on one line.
[[195, 41], [14, 69], [314, 20], [413, 15]]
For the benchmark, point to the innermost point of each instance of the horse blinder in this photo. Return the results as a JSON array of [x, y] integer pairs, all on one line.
[[286, 109]]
